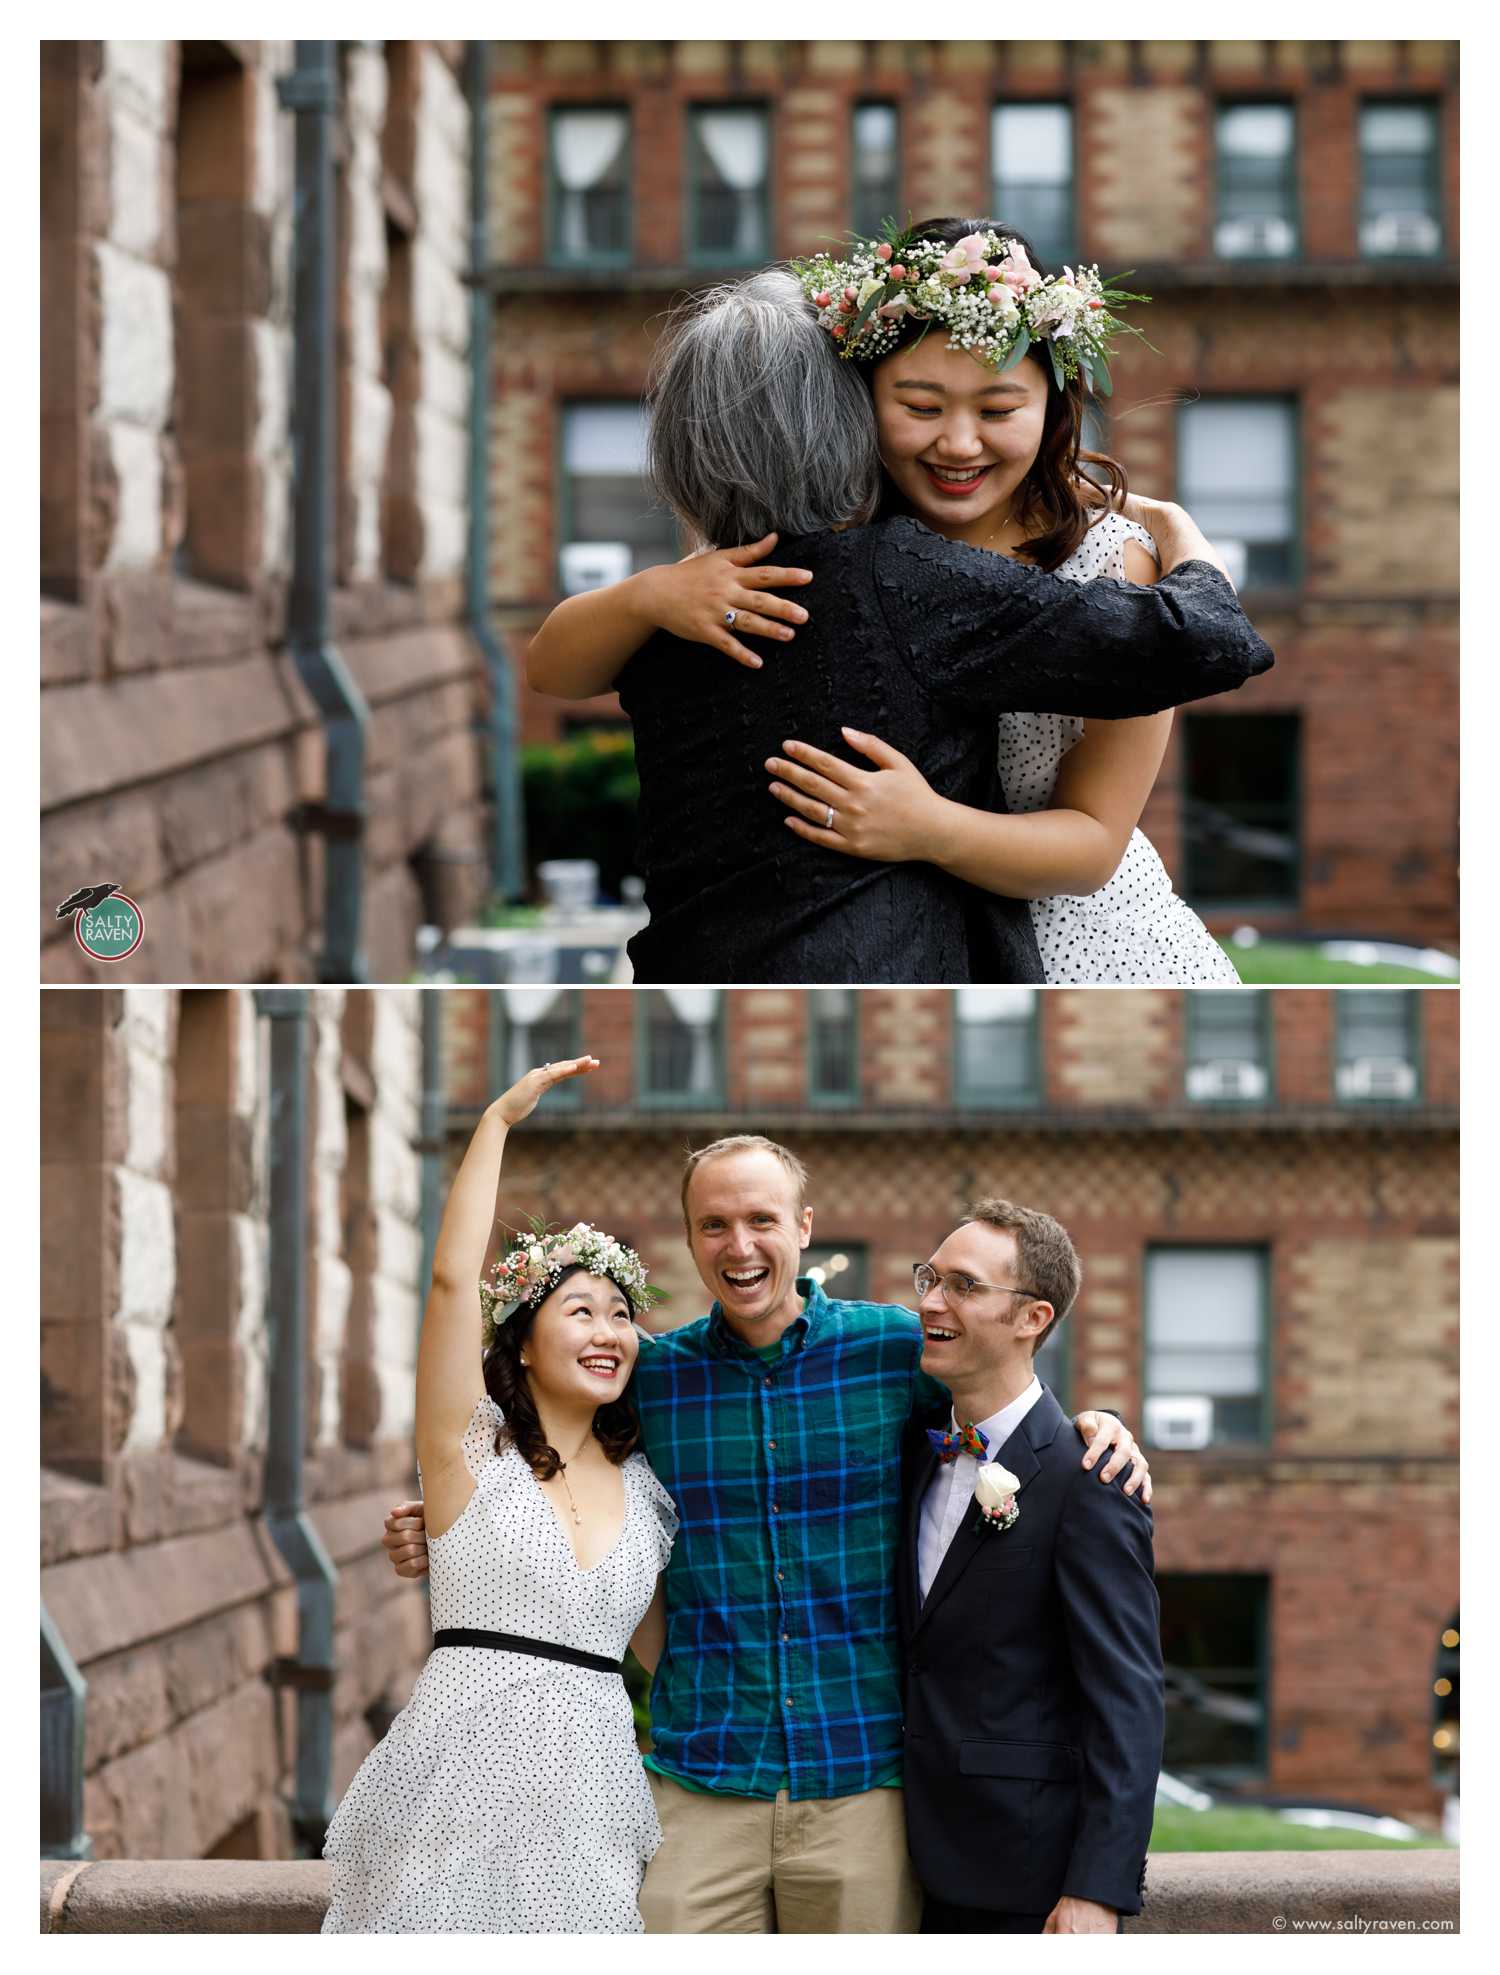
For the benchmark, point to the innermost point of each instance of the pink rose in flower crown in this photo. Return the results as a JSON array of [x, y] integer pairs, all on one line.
[[965, 258], [1016, 270]]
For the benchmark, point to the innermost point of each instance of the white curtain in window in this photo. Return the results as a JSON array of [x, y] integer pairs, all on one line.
[[995, 1004], [696, 1008], [738, 144], [1204, 1318], [1238, 469], [585, 147], [524, 1008], [607, 437], [1032, 144]]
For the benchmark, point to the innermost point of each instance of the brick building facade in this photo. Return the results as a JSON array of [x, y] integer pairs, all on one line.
[[1293, 208], [182, 757], [1258, 1222], [161, 1572]]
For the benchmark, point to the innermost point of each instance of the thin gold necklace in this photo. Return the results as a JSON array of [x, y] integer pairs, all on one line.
[[562, 1468]]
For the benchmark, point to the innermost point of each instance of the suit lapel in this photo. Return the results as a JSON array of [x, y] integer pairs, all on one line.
[[924, 1467], [1037, 1429]]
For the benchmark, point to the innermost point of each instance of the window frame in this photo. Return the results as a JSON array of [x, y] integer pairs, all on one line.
[[1262, 1251], [552, 193], [562, 1097], [872, 103], [1292, 400], [1433, 106], [562, 480], [997, 202], [824, 1100], [1031, 1100], [693, 254], [679, 1100], [1293, 214], [1415, 1052], [1193, 1026]]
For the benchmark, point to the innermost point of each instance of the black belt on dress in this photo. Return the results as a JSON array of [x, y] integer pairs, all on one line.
[[508, 1642]]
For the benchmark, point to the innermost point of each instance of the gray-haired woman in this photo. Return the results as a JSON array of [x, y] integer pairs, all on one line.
[[755, 430]]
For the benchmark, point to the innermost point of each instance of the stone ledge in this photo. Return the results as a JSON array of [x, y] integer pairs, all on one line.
[[1188, 1893]]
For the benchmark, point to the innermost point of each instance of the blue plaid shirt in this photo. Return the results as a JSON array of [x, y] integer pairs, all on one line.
[[781, 1667]]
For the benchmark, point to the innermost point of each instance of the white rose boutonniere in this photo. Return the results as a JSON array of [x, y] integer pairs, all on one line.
[[995, 1492]]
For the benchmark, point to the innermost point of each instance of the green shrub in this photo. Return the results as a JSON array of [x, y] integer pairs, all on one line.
[[581, 797]]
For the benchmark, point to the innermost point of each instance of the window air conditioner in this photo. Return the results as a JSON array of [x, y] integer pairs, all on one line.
[[1267, 233], [1377, 1076], [1401, 233], [1207, 1081], [1185, 1423], [592, 566]]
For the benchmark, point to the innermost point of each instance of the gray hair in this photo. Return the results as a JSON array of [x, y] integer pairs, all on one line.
[[755, 423]]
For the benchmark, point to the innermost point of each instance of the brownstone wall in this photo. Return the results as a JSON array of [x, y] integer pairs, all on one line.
[[1351, 1508], [156, 1565], [178, 745], [1367, 643]]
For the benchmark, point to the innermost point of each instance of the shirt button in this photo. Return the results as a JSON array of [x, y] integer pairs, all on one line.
[[789, 1700], [780, 1575], [765, 1381], [770, 1443], [786, 1638], [775, 1508]]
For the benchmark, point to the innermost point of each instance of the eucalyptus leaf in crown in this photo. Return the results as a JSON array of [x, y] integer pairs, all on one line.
[[529, 1268], [983, 289]]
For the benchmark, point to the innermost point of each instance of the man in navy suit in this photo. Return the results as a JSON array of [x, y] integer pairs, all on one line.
[[1029, 1618]]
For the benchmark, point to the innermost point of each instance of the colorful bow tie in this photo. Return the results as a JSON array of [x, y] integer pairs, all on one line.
[[968, 1440]]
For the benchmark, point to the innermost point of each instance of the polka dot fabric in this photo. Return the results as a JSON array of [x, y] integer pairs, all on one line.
[[1134, 930], [508, 1796]]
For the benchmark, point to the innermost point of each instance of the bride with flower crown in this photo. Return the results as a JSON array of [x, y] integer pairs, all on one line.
[[980, 368]]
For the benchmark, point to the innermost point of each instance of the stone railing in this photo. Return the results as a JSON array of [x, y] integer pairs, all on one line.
[[1188, 1893]]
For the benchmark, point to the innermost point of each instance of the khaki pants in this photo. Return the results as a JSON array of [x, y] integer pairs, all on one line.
[[742, 1865]]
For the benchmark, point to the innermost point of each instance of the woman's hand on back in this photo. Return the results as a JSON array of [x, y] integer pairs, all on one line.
[[692, 599], [888, 814]]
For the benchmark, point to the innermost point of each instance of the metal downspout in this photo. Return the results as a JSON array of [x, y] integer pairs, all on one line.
[[507, 816], [311, 93], [434, 1127], [310, 1675], [64, 1691]]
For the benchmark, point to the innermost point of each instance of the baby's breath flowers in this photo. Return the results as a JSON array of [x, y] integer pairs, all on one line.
[[985, 292]]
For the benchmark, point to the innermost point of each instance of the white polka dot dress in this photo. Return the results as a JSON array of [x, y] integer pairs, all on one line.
[[508, 1796], [1135, 929]]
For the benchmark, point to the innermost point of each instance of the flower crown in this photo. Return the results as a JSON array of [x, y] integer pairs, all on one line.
[[993, 302], [525, 1272]]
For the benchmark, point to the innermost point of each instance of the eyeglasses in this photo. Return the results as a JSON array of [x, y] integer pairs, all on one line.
[[956, 1288]]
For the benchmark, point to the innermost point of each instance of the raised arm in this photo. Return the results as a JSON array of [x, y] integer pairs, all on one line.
[[990, 634], [585, 642], [450, 1381]]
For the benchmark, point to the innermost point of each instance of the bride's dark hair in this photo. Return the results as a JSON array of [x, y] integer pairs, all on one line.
[[1050, 489], [616, 1427]]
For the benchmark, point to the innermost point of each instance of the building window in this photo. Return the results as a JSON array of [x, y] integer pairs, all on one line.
[[1213, 1642], [729, 151], [1400, 199], [842, 1267], [833, 1045], [1228, 1046], [1257, 154], [1031, 165], [995, 1047], [682, 1046], [877, 166], [612, 523], [1237, 477], [1205, 1347], [588, 152], [1376, 1057], [1241, 808], [536, 1025]]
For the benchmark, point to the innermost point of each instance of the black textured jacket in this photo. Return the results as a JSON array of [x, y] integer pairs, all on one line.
[[1035, 1696], [923, 642]]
